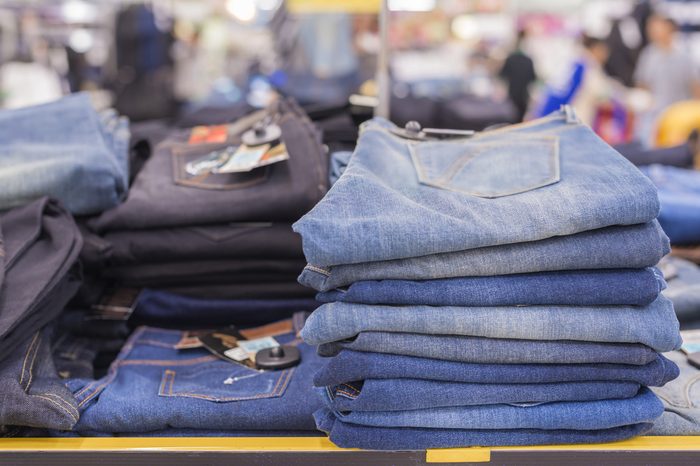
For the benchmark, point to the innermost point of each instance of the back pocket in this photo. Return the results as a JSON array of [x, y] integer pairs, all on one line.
[[488, 168], [221, 382]]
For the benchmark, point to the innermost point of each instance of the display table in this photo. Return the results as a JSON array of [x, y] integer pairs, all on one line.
[[292, 451]]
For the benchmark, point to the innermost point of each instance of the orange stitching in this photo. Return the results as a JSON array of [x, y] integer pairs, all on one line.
[[26, 356], [59, 406], [172, 381], [58, 398], [162, 382], [31, 365]]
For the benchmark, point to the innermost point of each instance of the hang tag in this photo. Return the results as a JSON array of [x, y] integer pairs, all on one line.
[[210, 162], [253, 346], [208, 134], [249, 158], [220, 341], [238, 354], [115, 304]]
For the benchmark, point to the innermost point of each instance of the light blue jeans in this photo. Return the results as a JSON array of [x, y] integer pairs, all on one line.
[[399, 198], [65, 150], [654, 325]]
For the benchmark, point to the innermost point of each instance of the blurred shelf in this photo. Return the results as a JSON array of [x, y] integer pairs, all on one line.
[[298, 451]]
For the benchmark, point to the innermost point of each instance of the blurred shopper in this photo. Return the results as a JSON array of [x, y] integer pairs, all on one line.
[[665, 70], [519, 73]]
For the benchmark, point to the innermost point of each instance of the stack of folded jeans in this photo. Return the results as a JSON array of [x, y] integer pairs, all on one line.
[[217, 235], [491, 290], [38, 250], [66, 150]]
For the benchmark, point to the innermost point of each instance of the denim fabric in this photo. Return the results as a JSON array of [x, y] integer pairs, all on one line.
[[350, 365], [165, 196], [409, 394], [400, 198], [346, 435], [338, 163], [636, 246], [569, 415], [207, 242], [684, 288], [223, 271], [679, 194], [32, 394], [41, 243], [492, 350], [65, 150], [654, 325], [152, 386], [681, 399], [634, 287], [170, 310]]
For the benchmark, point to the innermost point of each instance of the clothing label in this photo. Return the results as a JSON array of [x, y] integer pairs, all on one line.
[[210, 162], [115, 304], [208, 134], [221, 341], [247, 158], [253, 346], [238, 354]]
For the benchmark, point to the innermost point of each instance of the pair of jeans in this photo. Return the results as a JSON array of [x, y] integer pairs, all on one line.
[[493, 350], [41, 245], [568, 415], [517, 184], [207, 272], [654, 325], [170, 310], [679, 194], [196, 243], [403, 394], [67, 150], [152, 386], [636, 246], [164, 195], [348, 366], [684, 288], [347, 435], [681, 399], [32, 393], [633, 287]]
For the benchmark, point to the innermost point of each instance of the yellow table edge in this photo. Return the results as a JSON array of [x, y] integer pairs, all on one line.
[[316, 444]]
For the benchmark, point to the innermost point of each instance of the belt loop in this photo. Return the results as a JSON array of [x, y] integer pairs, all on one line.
[[570, 114]]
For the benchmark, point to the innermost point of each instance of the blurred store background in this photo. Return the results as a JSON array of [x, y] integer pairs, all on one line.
[[630, 68]]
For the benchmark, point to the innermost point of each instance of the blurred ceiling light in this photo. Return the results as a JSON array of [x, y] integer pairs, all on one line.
[[244, 11], [268, 5], [76, 11], [412, 5], [80, 40], [465, 27]]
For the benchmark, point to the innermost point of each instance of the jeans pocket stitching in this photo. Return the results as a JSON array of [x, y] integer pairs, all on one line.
[[279, 388]]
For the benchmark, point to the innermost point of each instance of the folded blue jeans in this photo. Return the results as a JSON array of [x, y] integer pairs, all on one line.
[[400, 198], [681, 399], [347, 435], [348, 366], [153, 386], [568, 415], [679, 194], [65, 150], [654, 325], [171, 310], [633, 287], [409, 394], [635, 246], [493, 350]]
